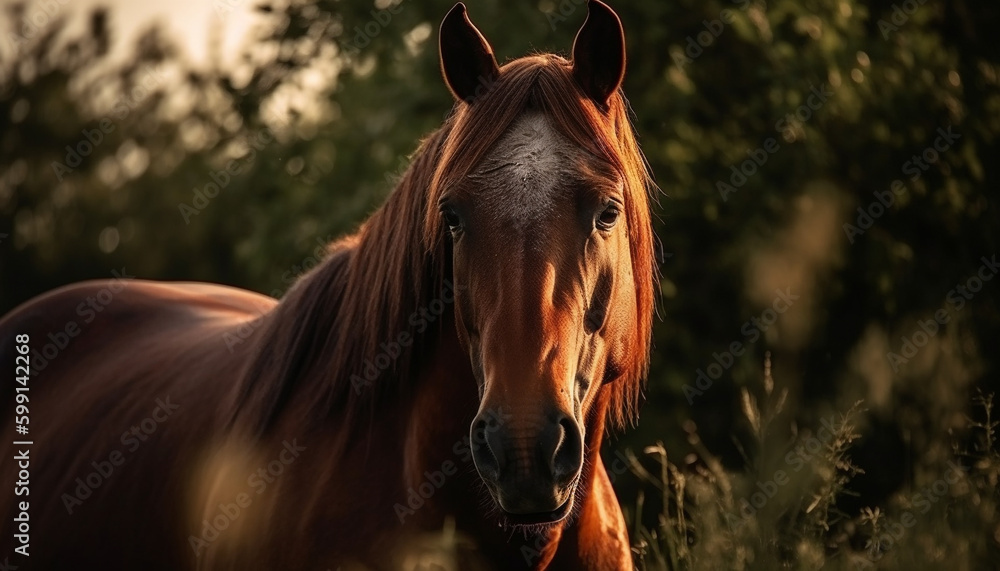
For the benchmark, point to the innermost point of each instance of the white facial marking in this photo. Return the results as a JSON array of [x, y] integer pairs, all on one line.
[[521, 173]]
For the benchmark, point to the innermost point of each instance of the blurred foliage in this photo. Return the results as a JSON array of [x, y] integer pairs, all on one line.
[[329, 98]]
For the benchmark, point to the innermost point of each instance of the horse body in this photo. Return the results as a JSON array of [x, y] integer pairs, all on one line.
[[152, 346], [505, 285], [175, 337]]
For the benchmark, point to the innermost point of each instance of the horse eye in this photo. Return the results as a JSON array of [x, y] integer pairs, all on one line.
[[451, 219], [608, 218]]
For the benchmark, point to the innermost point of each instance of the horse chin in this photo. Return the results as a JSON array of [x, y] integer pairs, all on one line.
[[539, 521]]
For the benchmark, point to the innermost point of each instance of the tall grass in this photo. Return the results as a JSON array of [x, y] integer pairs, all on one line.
[[781, 511]]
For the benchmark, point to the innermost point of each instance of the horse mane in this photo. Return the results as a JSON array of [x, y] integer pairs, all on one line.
[[334, 319]]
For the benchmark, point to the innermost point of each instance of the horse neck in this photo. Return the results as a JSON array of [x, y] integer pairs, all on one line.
[[595, 427], [321, 351], [442, 409]]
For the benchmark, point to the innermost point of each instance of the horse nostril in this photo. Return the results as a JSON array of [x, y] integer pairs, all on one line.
[[568, 455], [486, 449]]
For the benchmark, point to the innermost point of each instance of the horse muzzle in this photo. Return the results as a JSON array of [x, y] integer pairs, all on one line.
[[531, 472]]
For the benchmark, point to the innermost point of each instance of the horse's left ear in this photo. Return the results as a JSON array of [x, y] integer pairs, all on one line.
[[599, 53], [466, 57]]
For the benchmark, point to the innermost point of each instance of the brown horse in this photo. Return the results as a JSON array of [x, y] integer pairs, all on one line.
[[436, 391]]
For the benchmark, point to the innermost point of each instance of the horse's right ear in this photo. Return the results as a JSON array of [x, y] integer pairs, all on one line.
[[466, 57]]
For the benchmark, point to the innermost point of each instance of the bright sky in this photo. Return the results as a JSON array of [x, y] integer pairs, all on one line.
[[189, 22]]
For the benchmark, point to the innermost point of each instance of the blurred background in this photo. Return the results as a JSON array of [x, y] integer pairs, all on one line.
[[828, 217]]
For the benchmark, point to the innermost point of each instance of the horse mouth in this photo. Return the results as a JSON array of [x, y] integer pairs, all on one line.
[[541, 518]]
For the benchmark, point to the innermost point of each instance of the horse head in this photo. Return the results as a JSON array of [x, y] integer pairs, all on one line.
[[542, 196]]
